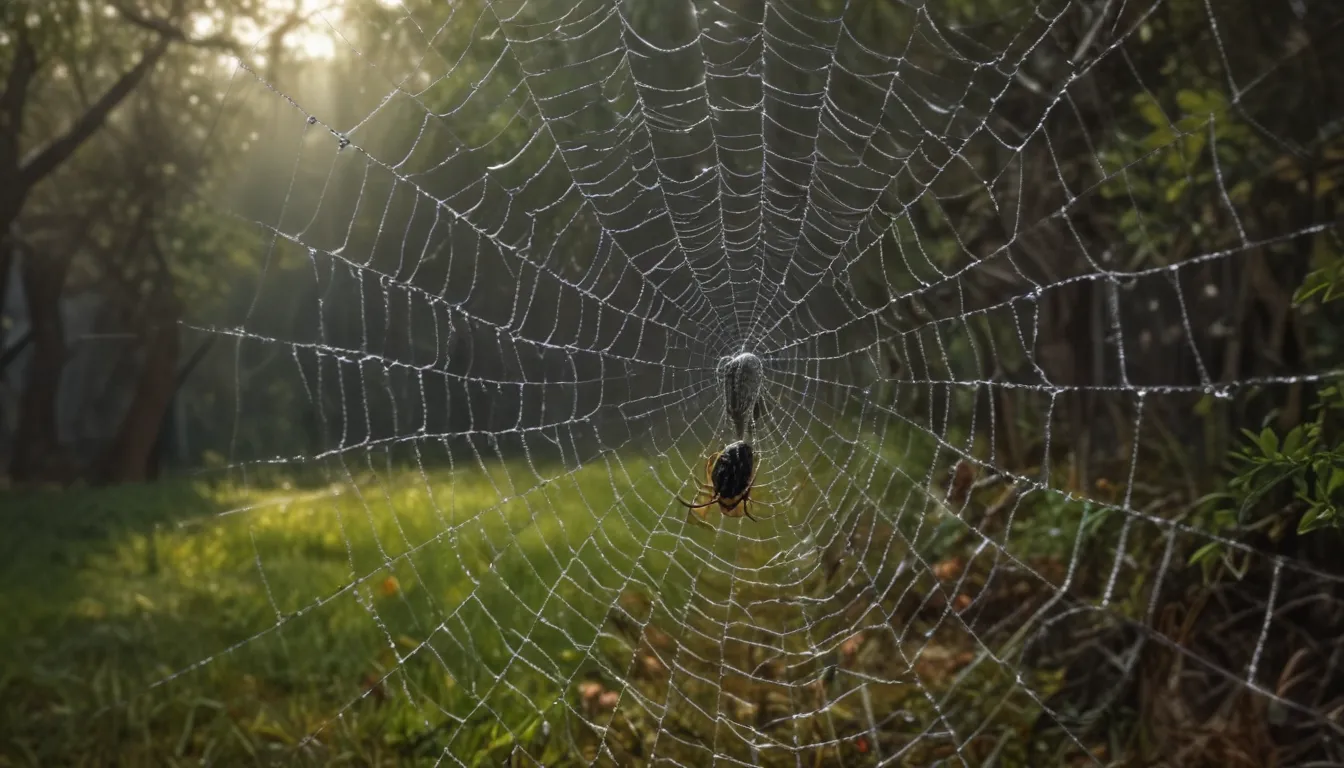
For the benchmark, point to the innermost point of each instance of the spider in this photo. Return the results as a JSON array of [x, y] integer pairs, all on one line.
[[731, 473]]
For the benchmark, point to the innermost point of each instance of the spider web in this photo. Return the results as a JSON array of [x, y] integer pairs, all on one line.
[[518, 238]]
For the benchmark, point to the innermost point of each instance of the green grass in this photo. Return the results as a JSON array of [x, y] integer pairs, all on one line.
[[184, 621], [379, 620], [391, 618]]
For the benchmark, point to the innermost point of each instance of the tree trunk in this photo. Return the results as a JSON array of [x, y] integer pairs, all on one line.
[[6, 264], [131, 457], [11, 352], [36, 440]]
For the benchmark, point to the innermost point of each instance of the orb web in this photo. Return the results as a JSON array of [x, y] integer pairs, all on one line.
[[994, 261]]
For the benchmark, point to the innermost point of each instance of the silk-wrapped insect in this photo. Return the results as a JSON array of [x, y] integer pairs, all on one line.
[[743, 375]]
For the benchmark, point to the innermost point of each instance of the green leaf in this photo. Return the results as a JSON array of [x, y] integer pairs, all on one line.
[[1192, 102], [1315, 284], [1312, 519], [1292, 441], [1213, 496], [1194, 144], [1336, 481], [1208, 552], [1269, 442], [1150, 111], [1175, 190]]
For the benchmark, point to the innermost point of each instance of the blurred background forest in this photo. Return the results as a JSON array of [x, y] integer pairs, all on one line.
[[144, 172], [201, 265]]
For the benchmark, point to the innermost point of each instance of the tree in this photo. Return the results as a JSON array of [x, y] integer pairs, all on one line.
[[95, 203]]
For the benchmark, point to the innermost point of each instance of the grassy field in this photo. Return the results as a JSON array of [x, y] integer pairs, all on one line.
[[184, 621], [403, 617]]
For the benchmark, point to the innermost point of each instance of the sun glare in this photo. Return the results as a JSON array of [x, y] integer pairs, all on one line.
[[315, 38]]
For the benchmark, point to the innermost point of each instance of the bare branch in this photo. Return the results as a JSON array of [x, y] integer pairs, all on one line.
[[50, 157], [168, 29], [14, 100], [21, 74]]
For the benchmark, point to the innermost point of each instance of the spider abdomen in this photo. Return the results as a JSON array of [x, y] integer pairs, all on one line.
[[732, 473]]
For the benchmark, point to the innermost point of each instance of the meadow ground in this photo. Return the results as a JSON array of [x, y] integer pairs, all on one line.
[[391, 619], [196, 621]]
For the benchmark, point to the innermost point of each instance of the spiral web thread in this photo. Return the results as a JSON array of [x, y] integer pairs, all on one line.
[[544, 297]]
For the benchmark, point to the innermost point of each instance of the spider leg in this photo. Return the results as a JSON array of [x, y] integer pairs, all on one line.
[[699, 518], [689, 505], [741, 501], [705, 486]]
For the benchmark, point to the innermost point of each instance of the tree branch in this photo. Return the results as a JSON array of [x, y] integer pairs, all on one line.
[[15, 96], [58, 151], [167, 29], [11, 353], [13, 103], [50, 158]]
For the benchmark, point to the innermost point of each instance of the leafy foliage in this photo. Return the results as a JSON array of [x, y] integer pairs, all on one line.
[[1279, 480]]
